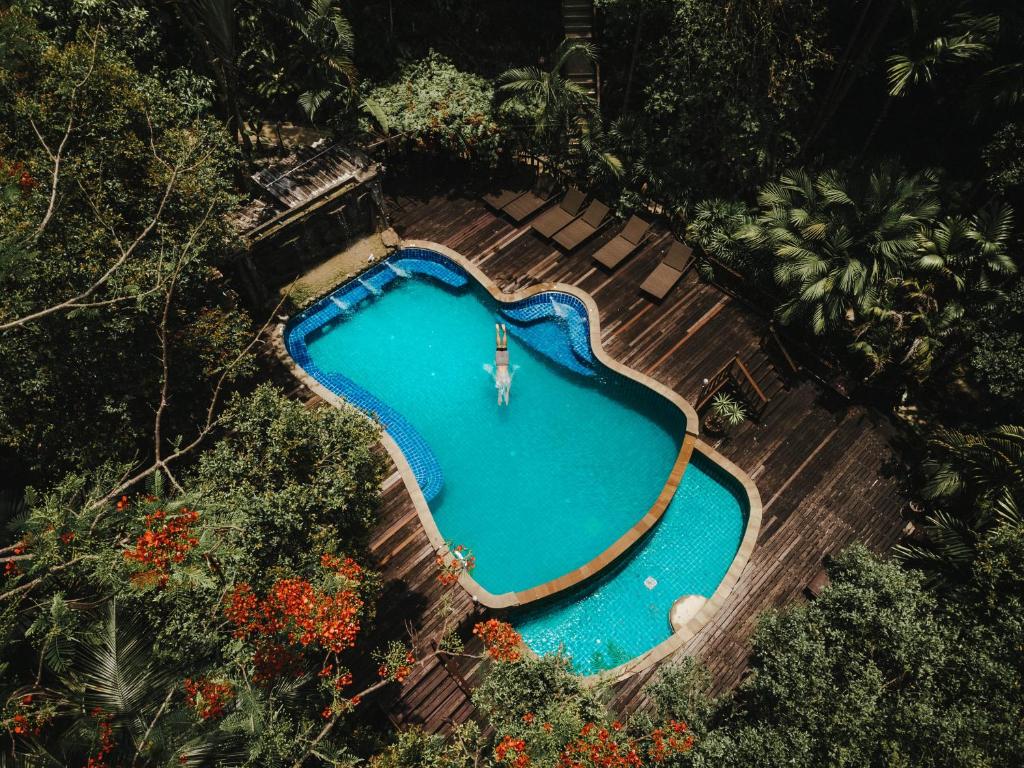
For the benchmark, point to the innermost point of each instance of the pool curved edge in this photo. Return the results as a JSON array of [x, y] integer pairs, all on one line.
[[679, 638], [630, 537]]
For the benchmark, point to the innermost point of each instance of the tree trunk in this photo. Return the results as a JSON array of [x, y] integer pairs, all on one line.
[[844, 91], [874, 128], [825, 111], [632, 59]]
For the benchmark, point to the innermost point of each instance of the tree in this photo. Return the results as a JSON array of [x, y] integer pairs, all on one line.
[[126, 208], [214, 27], [323, 64], [718, 91], [292, 483], [995, 364], [432, 104], [876, 671], [556, 117], [837, 242], [977, 484]]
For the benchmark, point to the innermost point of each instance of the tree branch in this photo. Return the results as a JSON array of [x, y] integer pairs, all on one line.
[[58, 156]]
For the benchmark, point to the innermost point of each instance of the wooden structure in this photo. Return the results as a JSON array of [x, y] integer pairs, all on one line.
[[309, 206], [736, 374], [823, 466], [578, 23]]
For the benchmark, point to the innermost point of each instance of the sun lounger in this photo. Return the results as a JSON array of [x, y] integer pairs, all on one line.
[[554, 219], [524, 206], [582, 227], [667, 274], [624, 244], [498, 200]]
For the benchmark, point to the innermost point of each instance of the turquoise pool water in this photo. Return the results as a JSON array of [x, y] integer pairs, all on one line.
[[617, 617], [535, 489]]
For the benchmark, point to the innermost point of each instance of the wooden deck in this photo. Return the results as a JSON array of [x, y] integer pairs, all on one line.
[[821, 465]]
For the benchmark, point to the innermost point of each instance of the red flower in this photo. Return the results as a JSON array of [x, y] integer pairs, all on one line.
[[163, 543], [500, 638], [208, 698]]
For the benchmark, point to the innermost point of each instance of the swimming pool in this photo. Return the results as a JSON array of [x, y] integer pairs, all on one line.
[[551, 489], [536, 489]]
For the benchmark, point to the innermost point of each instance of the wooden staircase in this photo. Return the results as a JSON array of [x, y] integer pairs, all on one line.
[[578, 22]]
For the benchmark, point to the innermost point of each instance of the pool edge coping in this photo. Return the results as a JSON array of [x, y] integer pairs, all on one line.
[[625, 542]]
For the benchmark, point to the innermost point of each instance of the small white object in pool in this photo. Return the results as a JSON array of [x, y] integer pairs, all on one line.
[[650, 582]]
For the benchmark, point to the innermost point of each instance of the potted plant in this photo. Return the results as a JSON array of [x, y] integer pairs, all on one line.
[[725, 413]]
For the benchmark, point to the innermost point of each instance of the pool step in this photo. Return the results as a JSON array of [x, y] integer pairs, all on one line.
[[549, 321]]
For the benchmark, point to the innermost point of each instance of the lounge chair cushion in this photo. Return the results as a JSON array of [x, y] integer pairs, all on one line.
[[667, 274], [678, 256], [635, 230], [556, 218], [596, 213], [523, 207], [499, 200], [573, 201], [614, 251], [583, 226]]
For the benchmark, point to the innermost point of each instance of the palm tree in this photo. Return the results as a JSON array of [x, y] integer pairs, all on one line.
[[986, 470], [980, 477], [544, 100], [966, 38], [836, 243], [972, 254], [716, 226], [963, 38], [323, 64], [560, 117], [214, 27], [106, 671]]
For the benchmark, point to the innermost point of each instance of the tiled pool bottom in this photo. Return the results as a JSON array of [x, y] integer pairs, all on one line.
[[623, 613]]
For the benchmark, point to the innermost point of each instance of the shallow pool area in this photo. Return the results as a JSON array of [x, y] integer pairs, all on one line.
[[624, 612]]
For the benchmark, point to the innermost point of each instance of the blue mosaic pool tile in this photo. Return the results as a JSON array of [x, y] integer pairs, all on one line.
[[320, 316], [535, 322]]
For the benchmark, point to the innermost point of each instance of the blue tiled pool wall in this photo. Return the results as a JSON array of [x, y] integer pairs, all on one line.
[[322, 315], [530, 321], [565, 342]]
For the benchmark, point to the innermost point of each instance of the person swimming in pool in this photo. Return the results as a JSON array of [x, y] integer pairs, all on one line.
[[502, 375]]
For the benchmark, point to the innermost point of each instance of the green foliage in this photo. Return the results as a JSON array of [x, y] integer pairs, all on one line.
[[866, 261], [976, 482], [545, 688], [416, 749], [281, 487], [141, 195], [555, 118], [436, 106], [295, 483], [682, 691], [996, 362], [727, 408], [876, 672], [717, 90]]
